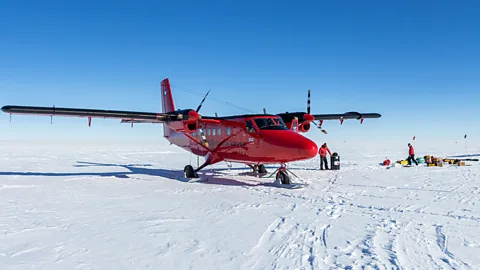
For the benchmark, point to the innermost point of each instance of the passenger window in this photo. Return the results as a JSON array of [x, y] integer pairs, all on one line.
[[213, 131], [228, 131], [219, 131], [250, 128], [209, 132]]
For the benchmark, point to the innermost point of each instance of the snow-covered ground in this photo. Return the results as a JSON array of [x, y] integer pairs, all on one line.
[[114, 205]]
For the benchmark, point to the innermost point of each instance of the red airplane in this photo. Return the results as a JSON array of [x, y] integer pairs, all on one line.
[[252, 139]]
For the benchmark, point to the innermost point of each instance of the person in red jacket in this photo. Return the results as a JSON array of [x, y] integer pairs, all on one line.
[[411, 155], [323, 156]]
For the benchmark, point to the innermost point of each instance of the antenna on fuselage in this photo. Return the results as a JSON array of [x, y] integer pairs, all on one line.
[[264, 111]]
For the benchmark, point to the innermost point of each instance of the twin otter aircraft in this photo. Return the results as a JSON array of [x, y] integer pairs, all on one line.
[[254, 139]]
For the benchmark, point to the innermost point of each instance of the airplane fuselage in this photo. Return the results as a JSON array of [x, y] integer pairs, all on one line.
[[252, 141]]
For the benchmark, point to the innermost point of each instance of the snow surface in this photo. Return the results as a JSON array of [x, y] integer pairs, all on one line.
[[114, 205]]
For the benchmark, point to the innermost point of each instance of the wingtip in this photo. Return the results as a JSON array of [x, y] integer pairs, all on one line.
[[6, 108]]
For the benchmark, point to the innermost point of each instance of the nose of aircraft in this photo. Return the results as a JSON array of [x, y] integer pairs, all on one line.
[[309, 149], [290, 145]]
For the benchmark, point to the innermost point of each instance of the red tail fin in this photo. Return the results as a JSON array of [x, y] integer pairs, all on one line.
[[167, 104], [167, 98]]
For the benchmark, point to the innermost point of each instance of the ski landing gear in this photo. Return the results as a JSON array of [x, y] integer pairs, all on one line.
[[282, 178], [260, 168]]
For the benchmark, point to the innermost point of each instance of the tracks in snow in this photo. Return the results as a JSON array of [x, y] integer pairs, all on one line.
[[448, 257], [287, 243], [387, 233]]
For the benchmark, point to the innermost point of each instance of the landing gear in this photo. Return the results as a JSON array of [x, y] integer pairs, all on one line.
[[258, 168], [189, 172], [281, 175], [261, 169], [283, 178]]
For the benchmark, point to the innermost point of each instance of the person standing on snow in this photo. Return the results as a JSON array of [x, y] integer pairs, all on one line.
[[323, 156], [411, 155]]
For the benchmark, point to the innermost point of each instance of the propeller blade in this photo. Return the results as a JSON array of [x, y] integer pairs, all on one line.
[[320, 127], [308, 102], [201, 103], [204, 139]]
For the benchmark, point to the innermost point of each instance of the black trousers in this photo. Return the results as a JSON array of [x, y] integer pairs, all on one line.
[[410, 158], [322, 161]]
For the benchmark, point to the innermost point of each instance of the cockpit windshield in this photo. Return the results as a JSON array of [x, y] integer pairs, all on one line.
[[270, 123]]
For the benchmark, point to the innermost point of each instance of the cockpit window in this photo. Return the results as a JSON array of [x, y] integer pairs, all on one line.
[[279, 121], [264, 122], [270, 123]]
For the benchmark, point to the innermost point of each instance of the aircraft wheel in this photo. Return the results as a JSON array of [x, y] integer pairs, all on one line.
[[261, 169], [284, 178], [189, 172]]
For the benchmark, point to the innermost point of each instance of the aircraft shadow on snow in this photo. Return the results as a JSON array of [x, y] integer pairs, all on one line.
[[140, 169]]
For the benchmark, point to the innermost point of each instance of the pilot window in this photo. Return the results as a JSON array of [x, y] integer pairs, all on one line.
[[228, 131], [279, 121], [264, 122], [250, 128], [270, 123]]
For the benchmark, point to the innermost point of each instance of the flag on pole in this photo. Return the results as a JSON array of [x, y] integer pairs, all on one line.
[[465, 136], [414, 137]]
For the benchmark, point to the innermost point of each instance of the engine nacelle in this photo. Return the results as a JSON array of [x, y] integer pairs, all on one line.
[[191, 127], [304, 127]]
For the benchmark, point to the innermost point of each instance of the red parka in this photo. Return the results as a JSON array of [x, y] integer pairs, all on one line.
[[323, 151]]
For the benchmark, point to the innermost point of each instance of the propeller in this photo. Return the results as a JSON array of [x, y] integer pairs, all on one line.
[[308, 102], [204, 138], [319, 126], [201, 103]]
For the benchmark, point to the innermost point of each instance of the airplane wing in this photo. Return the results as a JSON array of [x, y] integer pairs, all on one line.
[[90, 113], [348, 115], [137, 121]]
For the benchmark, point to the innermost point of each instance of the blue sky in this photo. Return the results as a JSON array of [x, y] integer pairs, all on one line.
[[415, 62]]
